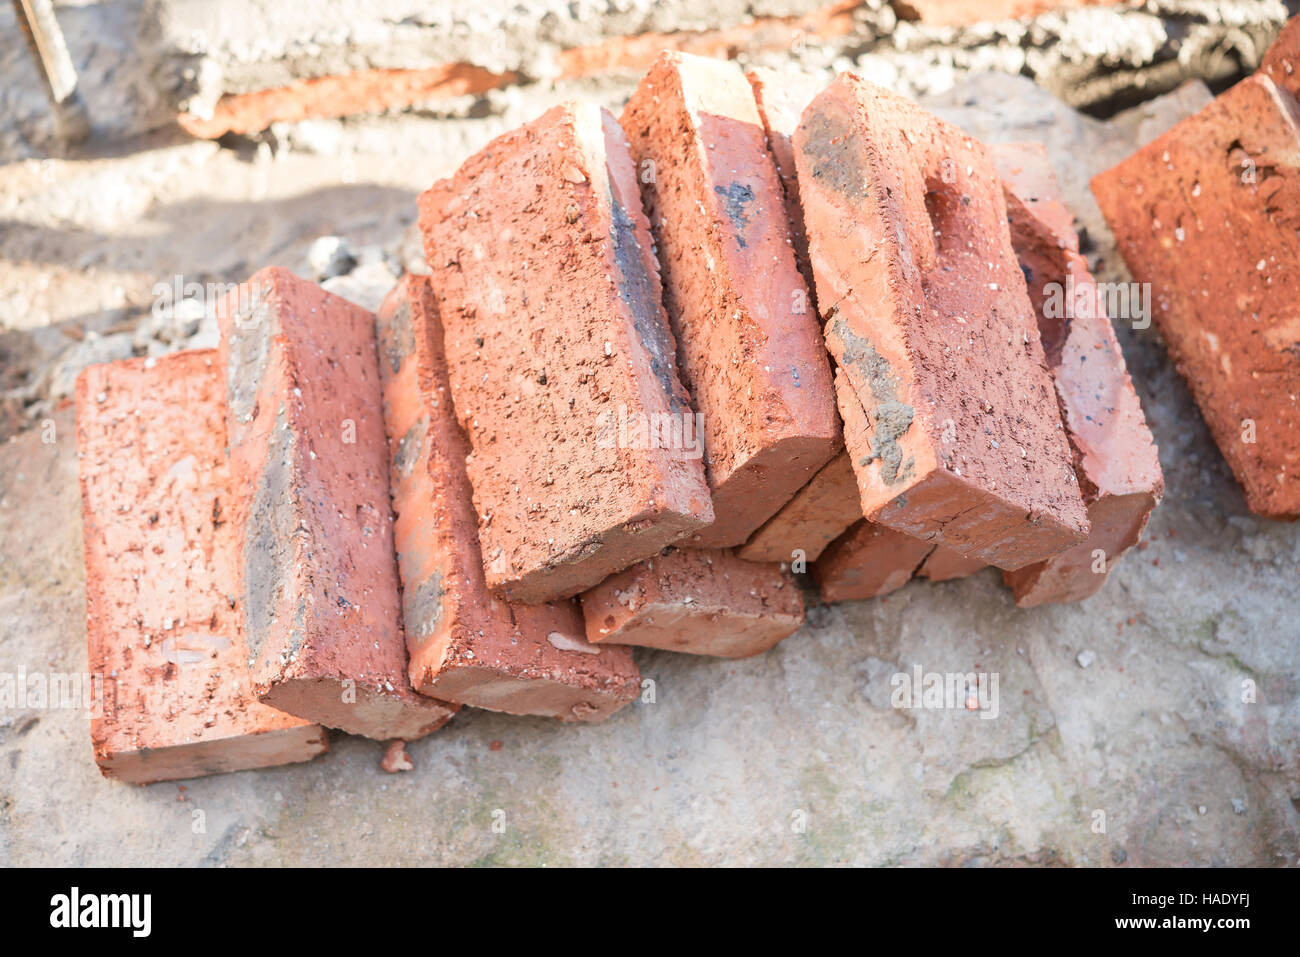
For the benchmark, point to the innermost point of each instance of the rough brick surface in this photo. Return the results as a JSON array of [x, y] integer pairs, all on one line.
[[748, 344], [318, 587], [949, 415], [160, 572], [866, 561], [465, 644], [1207, 214], [1029, 186], [699, 601], [1282, 62], [1114, 454], [944, 564], [559, 355], [781, 97], [819, 513]]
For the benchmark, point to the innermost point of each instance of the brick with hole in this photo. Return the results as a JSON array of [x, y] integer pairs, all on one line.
[[317, 590], [1114, 454], [867, 561], [950, 417], [465, 644], [1207, 214], [698, 601], [583, 453], [161, 570], [748, 343]]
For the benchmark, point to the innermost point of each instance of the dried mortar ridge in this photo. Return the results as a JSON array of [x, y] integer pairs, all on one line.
[[866, 561], [697, 601], [1207, 214], [465, 644], [161, 576], [950, 416], [748, 344], [1114, 454], [560, 359], [318, 579]]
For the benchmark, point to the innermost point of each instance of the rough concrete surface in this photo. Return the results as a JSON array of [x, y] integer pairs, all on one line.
[[1122, 736]]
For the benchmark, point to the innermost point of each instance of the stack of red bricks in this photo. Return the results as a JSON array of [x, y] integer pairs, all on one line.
[[661, 364]]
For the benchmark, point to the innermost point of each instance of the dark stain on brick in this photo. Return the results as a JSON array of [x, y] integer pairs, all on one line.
[[268, 545], [410, 448], [396, 335], [833, 148], [422, 609], [250, 350], [738, 198], [640, 292]]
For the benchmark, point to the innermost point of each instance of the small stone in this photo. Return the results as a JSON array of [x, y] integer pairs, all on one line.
[[330, 256]]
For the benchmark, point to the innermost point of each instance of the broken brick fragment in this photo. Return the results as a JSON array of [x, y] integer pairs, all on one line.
[[1281, 63], [560, 358], [698, 601], [165, 643], [950, 416], [748, 343], [465, 644], [317, 592], [1114, 454], [819, 513], [866, 561], [1207, 215], [396, 759]]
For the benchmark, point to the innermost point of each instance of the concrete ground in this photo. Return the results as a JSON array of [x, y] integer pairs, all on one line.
[[1156, 723]]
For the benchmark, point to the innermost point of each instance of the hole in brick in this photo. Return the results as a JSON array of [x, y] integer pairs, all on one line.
[[943, 204]]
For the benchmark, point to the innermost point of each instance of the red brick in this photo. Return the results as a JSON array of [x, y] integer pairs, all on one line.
[[749, 349], [1282, 62], [318, 587], [699, 601], [944, 564], [1029, 186], [161, 567], [465, 644], [950, 415], [866, 561], [549, 296], [781, 98], [1114, 454], [958, 13], [819, 513], [1207, 214]]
